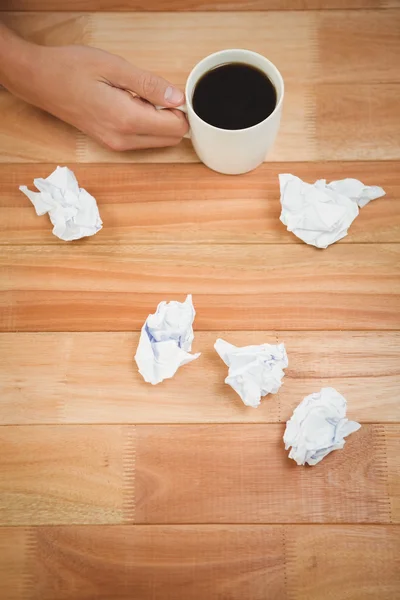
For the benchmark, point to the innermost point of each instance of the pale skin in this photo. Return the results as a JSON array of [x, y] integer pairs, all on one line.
[[99, 93]]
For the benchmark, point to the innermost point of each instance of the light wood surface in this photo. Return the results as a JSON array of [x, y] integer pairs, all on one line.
[[249, 464], [190, 474], [147, 203], [233, 561], [51, 473], [92, 378], [339, 105], [112, 489], [54, 288], [393, 444]]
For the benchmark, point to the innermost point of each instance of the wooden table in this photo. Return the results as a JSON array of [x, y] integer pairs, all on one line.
[[113, 489]]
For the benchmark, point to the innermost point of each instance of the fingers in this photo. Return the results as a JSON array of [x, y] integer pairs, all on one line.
[[143, 118], [149, 86], [129, 122]]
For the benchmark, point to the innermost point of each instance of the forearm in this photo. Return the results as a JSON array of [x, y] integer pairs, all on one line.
[[17, 60]]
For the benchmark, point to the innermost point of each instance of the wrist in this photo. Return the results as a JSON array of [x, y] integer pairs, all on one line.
[[17, 60]]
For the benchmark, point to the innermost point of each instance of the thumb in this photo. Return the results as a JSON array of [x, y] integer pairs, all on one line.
[[151, 87]]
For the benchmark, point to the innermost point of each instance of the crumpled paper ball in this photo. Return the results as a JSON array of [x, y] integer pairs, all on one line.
[[321, 213], [71, 209], [254, 371], [166, 341], [318, 426]]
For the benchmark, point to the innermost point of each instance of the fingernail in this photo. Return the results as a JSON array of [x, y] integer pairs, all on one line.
[[173, 95]]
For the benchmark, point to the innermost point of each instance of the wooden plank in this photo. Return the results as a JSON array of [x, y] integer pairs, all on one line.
[[14, 549], [75, 563], [365, 368], [332, 96], [186, 474], [241, 474], [91, 378], [393, 446], [301, 44], [84, 288], [192, 204], [194, 5], [361, 51], [292, 50], [26, 131], [50, 475], [160, 562], [50, 29], [320, 122], [370, 112], [355, 563]]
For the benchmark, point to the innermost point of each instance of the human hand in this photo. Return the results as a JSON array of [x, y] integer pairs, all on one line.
[[102, 95]]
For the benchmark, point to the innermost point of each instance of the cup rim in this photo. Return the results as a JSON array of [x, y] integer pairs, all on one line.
[[221, 52]]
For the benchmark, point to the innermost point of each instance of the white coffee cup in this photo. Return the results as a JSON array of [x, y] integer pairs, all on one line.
[[233, 151]]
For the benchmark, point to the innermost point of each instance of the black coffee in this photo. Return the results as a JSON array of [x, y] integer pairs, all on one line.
[[234, 96]]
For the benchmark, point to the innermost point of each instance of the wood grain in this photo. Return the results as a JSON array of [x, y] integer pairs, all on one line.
[[157, 562], [14, 548], [241, 474], [71, 475], [365, 368], [26, 132], [189, 203], [333, 96], [361, 56], [357, 563], [189, 474], [112, 489], [361, 116], [91, 378], [195, 5], [50, 29], [88, 287], [393, 446]]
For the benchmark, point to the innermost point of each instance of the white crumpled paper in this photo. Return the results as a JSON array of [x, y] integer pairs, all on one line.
[[72, 210], [166, 341], [318, 426], [254, 371], [321, 213]]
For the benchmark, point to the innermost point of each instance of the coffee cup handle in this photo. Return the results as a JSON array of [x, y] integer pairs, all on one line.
[[183, 109]]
